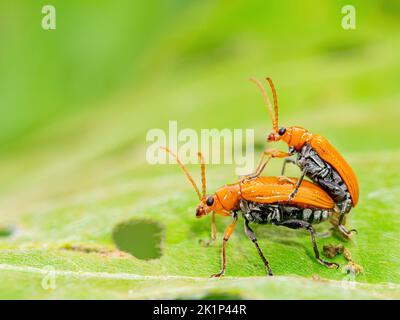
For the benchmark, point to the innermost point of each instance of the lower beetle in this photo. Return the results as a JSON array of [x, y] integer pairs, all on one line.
[[264, 200]]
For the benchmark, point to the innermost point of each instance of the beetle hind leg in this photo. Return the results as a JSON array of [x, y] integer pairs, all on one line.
[[296, 224]]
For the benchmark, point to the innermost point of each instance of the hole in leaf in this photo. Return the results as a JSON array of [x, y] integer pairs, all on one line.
[[6, 231], [141, 238]]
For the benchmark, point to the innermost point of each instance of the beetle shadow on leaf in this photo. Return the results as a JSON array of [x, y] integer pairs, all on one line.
[[215, 295], [279, 235]]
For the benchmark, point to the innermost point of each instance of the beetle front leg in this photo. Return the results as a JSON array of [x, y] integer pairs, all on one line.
[[265, 157], [206, 243], [253, 238], [260, 168], [296, 224], [213, 228], [227, 235]]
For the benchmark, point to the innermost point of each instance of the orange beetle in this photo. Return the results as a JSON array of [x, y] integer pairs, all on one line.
[[317, 159], [263, 200]]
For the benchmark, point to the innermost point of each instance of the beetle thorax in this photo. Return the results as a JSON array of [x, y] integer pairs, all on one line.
[[228, 196], [296, 137]]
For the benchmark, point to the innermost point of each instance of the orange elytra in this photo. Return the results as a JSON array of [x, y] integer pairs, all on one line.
[[315, 156]]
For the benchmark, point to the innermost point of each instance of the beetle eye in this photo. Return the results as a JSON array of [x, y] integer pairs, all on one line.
[[282, 131], [210, 201]]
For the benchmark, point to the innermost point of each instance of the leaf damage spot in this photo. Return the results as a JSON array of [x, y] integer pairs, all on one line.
[[7, 231], [94, 249], [141, 238]]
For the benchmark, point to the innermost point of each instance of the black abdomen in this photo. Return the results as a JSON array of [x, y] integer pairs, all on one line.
[[264, 213]]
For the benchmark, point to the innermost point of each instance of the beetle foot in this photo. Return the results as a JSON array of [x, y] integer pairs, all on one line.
[[248, 177], [291, 196], [345, 232], [218, 275], [286, 179], [329, 265], [269, 272]]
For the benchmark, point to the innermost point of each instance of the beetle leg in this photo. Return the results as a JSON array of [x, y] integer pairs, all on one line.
[[346, 232], [275, 153], [341, 226], [253, 238], [260, 168], [286, 179], [343, 229], [213, 228], [286, 161], [294, 192], [227, 235], [296, 224], [265, 157], [207, 243]]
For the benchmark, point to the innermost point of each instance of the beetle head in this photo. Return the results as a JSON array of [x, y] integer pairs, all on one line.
[[282, 133], [230, 199], [203, 209], [293, 136]]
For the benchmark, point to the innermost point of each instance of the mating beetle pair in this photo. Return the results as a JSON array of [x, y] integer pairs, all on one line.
[[290, 202]]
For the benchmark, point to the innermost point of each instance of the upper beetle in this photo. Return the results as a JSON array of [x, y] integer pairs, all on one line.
[[316, 158]]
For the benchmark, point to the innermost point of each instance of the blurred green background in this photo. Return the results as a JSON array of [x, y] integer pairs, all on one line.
[[76, 103]]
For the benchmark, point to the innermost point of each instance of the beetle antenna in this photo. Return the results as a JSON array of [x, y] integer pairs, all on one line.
[[266, 99], [185, 170], [203, 175], [271, 84]]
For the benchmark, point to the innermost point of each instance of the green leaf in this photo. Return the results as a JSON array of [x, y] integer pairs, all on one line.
[[76, 186]]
